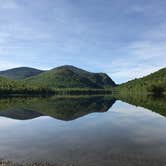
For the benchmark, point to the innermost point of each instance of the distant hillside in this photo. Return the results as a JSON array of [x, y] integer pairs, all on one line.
[[20, 73], [11, 87], [72, 80], [155, 82], [7, 83], [71, 77]]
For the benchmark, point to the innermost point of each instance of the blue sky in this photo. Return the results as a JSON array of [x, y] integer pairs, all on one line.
[[124, 38]]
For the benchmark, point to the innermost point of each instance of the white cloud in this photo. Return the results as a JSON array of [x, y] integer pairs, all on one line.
[[134, 72], [28, 35], [143, 57], [148, 50]]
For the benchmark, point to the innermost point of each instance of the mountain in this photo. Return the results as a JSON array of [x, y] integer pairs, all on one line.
[[71, 77], [155, 82], [32, 81], [20, 73]]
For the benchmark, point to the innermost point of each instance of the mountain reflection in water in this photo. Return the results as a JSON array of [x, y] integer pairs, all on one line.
[[56, 130], [63, 108]]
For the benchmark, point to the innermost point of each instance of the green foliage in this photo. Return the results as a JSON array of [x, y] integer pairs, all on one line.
[[72, 80], [61, 80], [11, 87], [156, 89], [153, 83], [8, 87], [71, 77]]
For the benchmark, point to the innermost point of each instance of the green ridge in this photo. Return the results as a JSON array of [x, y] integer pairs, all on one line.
[[71, 77], [20, 73], [153, 83]]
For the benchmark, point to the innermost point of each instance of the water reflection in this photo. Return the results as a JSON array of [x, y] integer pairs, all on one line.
[[64, 108], [122, 135], [72, 107], [153, 103]]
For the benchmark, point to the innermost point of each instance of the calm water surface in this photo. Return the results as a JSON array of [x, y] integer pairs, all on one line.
[[84, 131]]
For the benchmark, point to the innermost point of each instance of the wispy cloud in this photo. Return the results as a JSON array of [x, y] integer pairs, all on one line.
[[144, 56], [90, 34], [140, 58], [127, 74]]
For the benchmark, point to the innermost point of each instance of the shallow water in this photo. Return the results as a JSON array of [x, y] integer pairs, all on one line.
[[103, 131]]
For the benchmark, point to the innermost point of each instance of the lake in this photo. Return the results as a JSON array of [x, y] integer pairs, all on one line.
[[83, 131]]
